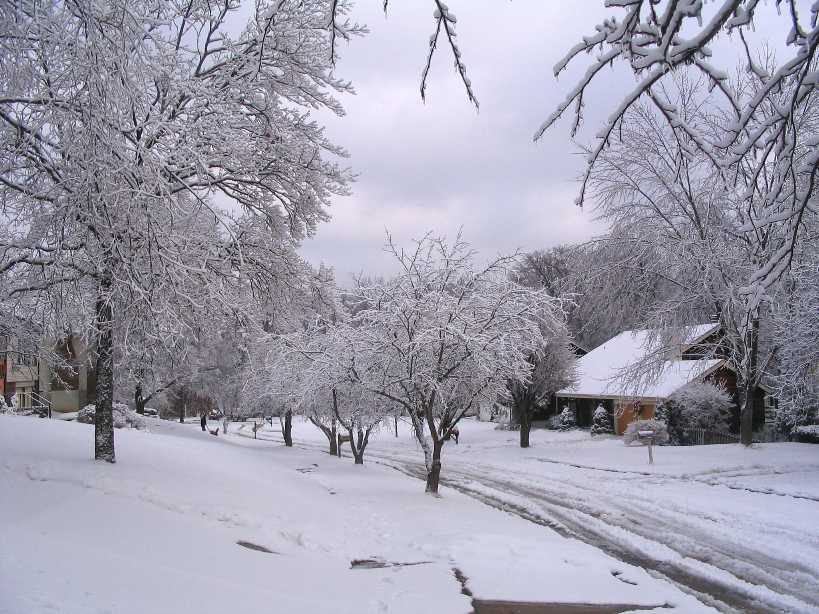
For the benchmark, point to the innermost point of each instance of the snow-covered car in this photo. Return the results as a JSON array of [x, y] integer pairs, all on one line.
[[150, 411]]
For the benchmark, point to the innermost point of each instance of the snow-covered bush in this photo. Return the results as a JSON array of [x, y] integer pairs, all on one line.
[[699, 405], [86, 414], [5, 408], [632, 433], [602, 422], [668, 414], [124, 416], [567, 419], [798, 405], [806, 434]]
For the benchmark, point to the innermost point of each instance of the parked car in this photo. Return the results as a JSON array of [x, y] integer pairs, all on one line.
[[150, 411], [215, 415]]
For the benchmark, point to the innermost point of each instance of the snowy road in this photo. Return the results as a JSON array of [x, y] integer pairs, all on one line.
[[719, 571], [733, 546]]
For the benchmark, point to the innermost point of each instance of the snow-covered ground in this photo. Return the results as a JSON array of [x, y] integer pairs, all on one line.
[[158, 531], [737, 527]]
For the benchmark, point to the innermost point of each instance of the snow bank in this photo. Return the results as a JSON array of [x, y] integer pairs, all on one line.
[[124, 416]]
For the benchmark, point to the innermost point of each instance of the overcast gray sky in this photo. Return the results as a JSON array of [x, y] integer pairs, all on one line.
[[440, 165]]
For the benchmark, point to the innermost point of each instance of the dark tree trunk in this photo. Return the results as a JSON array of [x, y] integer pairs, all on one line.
[[287, 431], [522, 408], [330, 433], [333, 437], [103, 416], [396, 426], [357, 446], [525, 425], [434, 473], [182, 413], [139, 400], [746, 424]]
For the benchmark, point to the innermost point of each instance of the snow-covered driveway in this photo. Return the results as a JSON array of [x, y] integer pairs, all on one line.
[[734, 527]]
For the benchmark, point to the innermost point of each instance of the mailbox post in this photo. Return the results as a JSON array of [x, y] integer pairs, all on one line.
[[647, 438]]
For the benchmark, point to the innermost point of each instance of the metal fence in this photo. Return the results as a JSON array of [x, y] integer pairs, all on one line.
[[704, 437]]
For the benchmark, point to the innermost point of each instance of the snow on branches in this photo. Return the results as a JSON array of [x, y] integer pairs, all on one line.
[[766, 147], [430, 343], [445, 333], [445, 21], [162, 162], [765, 134]]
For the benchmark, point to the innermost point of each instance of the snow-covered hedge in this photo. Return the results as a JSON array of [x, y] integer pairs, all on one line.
[[698, 405], [124, 416], [806, 434], [632, 431]]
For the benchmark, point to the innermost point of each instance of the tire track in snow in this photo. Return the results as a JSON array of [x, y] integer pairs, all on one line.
[[737, 579]]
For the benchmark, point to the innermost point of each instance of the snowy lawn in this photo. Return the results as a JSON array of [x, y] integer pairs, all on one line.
[[735, 526], [158, 531]]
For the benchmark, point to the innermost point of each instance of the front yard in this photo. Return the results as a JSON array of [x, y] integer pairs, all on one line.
[[583, 522]]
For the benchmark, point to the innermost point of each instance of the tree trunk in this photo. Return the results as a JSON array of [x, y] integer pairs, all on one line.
[[396, 425], [746, 424], [181, 413], [329, 433], [525, 425], [287, 431], [332, 435], [358, 456], [357, 446], [434, 473], [139, 401], [103, 416]]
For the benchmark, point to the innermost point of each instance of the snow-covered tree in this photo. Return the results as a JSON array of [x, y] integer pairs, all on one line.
[[602, 421], [796, 328], [566, 420], [676, 226], [761, 150], [763, 129], [293, 316], [332, 360], [184, 400], [445, 333], [274, 380], [117, 149], [343, 370], [553, 368]]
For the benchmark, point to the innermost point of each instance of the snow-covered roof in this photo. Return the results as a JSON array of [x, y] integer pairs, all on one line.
[[612, 369]]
